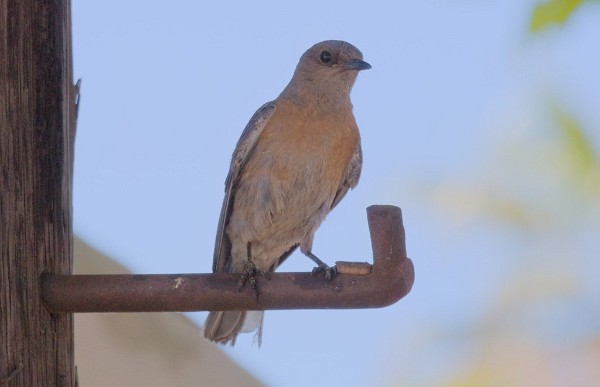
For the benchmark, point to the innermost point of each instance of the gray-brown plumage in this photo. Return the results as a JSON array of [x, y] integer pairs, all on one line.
[[295, 160]]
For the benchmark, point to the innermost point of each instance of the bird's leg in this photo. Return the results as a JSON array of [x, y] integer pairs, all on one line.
[[321, 266], [249, 274]]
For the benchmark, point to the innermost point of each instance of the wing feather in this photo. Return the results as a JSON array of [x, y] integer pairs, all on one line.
[[351, 176], [243, 148]]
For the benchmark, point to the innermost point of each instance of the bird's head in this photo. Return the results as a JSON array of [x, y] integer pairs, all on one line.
[[328, 67], [333, 56]]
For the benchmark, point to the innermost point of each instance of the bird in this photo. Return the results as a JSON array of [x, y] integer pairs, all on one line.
[[294, 162]]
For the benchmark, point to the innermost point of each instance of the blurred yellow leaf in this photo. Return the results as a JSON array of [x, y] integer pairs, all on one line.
[[577, 144], [552, 12]]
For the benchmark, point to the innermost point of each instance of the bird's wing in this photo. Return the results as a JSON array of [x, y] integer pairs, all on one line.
[[243, 148], [351, 176]]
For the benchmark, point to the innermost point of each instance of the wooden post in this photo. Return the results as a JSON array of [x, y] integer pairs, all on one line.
[[37, 125]]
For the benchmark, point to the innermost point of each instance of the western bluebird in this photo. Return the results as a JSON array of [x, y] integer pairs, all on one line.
[[295, 160]]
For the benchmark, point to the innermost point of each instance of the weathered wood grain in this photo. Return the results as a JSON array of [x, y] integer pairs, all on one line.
[[37, 123]]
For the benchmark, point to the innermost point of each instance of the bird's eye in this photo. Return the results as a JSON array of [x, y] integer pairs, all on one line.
[[325, 57]]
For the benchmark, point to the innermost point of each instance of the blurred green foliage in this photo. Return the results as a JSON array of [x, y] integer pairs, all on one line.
[[577, 142], [553, 12]]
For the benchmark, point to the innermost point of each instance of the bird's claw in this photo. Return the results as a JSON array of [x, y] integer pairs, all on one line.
[[249, 274], [329, 271]]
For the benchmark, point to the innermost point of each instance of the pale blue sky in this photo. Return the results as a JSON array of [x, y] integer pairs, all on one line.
[[168, 88]]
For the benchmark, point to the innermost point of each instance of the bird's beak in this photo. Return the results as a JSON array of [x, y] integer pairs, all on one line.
[[356, 64]]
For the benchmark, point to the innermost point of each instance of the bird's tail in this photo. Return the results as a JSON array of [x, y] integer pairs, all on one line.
[[223, 327]]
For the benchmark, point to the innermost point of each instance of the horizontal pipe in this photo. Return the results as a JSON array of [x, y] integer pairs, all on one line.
[[390, 279]]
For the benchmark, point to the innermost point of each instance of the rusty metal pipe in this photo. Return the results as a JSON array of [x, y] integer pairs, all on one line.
[[391, 278]]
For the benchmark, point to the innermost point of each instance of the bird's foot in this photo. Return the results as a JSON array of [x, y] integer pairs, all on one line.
[[321, 266], [249, 275], [329, 271]]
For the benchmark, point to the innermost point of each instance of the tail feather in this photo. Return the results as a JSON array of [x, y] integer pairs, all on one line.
[[223, 327]]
